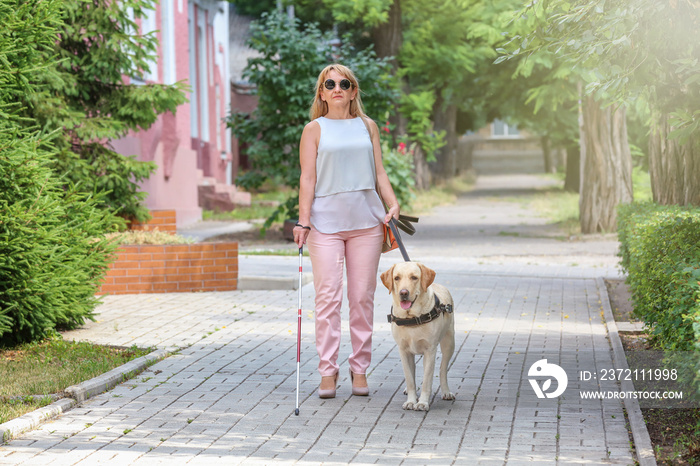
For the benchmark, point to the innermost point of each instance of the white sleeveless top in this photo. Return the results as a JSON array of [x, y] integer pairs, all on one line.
[[345, 197]]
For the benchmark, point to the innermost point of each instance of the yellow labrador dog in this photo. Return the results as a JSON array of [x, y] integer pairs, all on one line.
[[421, 318]]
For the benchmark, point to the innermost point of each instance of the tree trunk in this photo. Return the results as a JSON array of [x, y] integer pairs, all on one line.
[[674, 168], [421, 169], [445, 119], [606, 166], [572, 182], [388, 37], [465, 152], [547, 154], [388, 40]]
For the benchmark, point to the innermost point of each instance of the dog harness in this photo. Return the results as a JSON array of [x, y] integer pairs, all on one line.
[[438, 309]]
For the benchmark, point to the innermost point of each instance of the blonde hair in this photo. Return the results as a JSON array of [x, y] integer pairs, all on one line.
[[319, 108]]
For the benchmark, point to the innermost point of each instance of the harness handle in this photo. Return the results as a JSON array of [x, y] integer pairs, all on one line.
[[397, 236]]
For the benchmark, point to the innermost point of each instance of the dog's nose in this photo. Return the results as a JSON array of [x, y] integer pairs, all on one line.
[[403, 294]]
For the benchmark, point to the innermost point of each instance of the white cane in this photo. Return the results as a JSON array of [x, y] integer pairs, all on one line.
[[301, 254]]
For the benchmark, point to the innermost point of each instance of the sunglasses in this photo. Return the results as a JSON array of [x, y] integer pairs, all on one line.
[[345, 84]]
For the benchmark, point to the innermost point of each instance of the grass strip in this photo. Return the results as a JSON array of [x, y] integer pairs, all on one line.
[[561, 207], [263, 205], [50, 366]]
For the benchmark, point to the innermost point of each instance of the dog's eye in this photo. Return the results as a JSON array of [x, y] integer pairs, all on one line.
[[397, 278], [414, 278]]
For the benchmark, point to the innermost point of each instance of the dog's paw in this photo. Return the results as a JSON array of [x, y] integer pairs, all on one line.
[[409, 405], [421, 406], [448, 396]]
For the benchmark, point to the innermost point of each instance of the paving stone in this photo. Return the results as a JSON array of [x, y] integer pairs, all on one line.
[[229, 398]]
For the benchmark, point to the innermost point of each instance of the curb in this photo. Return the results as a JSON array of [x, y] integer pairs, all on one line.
[[273, 283], [640, 435], [76, 394]]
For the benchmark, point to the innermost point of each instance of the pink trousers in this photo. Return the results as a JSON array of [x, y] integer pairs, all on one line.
[[359, 251]]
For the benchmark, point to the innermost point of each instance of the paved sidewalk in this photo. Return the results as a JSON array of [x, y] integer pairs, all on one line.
[[227, 397]]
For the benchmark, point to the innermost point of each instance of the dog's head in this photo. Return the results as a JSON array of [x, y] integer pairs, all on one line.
[[407, 282]]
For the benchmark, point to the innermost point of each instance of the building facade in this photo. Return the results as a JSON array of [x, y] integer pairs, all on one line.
[[192, 148]]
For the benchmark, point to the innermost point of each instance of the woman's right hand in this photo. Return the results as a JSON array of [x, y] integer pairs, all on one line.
[[300, 234]]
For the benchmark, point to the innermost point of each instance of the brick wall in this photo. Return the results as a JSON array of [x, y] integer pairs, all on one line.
[[164, 220], [173, 268]]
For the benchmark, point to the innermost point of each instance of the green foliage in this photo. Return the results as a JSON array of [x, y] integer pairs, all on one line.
[[114, 177], [641, 183], [50, 266], [254, 8], [417, 107], [372, 12], [446, 60], [543, 95], [100, 45], [50, 263], [91, 103], [684, 123], [452, 54], [308, 11], [660, 250], [625, 50], [398, 163], [285, 77]]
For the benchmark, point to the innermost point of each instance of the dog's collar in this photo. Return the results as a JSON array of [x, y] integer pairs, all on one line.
[[438, 309]]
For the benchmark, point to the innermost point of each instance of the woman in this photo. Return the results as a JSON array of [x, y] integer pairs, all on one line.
[[340, 216]]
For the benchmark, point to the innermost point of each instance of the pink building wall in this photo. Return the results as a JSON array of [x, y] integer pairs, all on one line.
[[185, 160]]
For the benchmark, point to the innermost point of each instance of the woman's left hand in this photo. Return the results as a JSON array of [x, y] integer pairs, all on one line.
[[393, 212]]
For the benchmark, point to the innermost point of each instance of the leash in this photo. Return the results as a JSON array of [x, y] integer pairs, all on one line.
[[404, 221], [399, 241], [394, 226]]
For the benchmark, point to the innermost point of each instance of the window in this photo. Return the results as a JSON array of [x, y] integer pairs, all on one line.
[[167, 15], [148, 26], [203, 78], [501, 129], [194, 101]]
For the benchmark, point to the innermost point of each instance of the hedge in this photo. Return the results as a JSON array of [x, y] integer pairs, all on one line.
[[660, 250]]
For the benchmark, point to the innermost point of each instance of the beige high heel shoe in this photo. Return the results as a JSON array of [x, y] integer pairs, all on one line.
[[358, 391], [329, 392]]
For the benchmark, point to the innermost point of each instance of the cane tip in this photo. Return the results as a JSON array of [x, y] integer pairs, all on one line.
[[296, 411]]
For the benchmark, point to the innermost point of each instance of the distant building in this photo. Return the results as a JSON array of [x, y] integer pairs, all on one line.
[[243, 97], [503, 148], [192, 148]]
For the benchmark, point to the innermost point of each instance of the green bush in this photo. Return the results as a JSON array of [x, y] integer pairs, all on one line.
[[91, 104], [660, 250], [417, 107], [399, 168], [50, 263], [629, 217]]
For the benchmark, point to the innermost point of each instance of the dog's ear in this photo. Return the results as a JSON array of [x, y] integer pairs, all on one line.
[[387, 277], [427, 276]]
